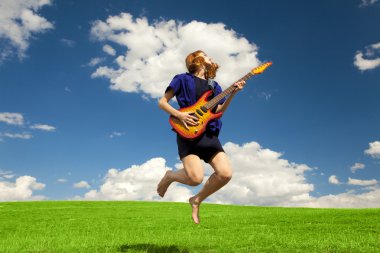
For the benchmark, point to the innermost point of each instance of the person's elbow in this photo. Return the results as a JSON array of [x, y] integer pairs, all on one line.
[[161, 102]]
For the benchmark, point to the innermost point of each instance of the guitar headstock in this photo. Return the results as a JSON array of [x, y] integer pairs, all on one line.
[[260, 69]]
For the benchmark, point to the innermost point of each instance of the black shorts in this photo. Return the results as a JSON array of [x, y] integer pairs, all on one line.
[[205, 147]]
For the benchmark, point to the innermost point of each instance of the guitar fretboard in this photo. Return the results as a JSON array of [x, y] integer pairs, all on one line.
[[213, 102]]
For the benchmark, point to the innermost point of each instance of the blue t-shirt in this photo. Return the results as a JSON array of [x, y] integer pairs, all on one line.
[[184, 89]]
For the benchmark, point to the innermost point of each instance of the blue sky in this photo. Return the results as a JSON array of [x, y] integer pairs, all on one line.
[[79, 84]]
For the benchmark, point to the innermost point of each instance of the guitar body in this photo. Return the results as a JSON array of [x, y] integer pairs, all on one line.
[[198, 110]]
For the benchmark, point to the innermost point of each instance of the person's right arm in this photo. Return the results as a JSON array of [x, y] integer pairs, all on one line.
[[185, 117]]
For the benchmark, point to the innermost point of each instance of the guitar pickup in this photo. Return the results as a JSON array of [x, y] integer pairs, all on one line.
[[195, 115], [199, 112]]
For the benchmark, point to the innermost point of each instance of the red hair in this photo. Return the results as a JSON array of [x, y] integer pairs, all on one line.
[[195, 61]]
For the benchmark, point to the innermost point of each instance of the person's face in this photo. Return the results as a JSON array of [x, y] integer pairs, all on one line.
[[207, 59]]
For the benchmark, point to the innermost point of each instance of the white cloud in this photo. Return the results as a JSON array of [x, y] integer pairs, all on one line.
[[155, 52], [374, 149], [109, 50], [82, 184], [116, 134], [260, 177], [61, 180], [357, 166], [370, 199], [21, 189], [353, 181], [6, 174], [18, 21], [333, 180], [24, 136], [367, 2], [376, 46], [95, 61], [265, 95], [17, 119], [369, 59], [43, 127], [67, 42], [12, 118], [139, 182]]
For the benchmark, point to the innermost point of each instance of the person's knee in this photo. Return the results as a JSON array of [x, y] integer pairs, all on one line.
[[196, 179], [225, 175]]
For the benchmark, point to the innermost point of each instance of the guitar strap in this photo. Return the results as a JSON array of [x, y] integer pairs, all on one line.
[[211, 84]]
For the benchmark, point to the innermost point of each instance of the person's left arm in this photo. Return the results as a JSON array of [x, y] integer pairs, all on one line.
[[223, 107]]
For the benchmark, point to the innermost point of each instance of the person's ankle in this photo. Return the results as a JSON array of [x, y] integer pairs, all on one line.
[[195, 200]]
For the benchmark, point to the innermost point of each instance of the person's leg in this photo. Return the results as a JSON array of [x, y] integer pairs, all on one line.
[[223, 173], [192, 174]]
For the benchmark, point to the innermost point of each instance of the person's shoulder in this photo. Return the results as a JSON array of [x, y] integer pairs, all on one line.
[[183, 76]]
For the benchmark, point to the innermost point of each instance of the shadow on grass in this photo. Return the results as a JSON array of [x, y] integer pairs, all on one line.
[[151, 248]]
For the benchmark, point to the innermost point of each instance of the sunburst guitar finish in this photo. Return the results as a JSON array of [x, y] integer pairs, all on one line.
[[202, 109]]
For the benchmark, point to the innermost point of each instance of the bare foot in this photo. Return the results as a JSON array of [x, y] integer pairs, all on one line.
[[164, 184], [195, 210]]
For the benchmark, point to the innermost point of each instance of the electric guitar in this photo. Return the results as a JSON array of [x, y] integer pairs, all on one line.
[[202, 109]]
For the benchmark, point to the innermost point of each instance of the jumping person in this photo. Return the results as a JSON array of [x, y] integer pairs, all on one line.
[[188, 88]]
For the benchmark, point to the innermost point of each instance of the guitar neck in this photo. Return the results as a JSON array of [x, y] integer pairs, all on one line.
[[215, 101]]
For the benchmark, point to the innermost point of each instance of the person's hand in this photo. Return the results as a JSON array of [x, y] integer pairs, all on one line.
[[239, 85], [187, 118]]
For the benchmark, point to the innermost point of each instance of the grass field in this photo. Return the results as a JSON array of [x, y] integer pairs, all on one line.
[[79, 226]]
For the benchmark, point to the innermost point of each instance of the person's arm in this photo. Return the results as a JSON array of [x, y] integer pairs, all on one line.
[[223, 107], [185, 117]]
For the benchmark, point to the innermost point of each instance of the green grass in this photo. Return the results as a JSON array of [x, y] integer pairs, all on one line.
[[78, 226]]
